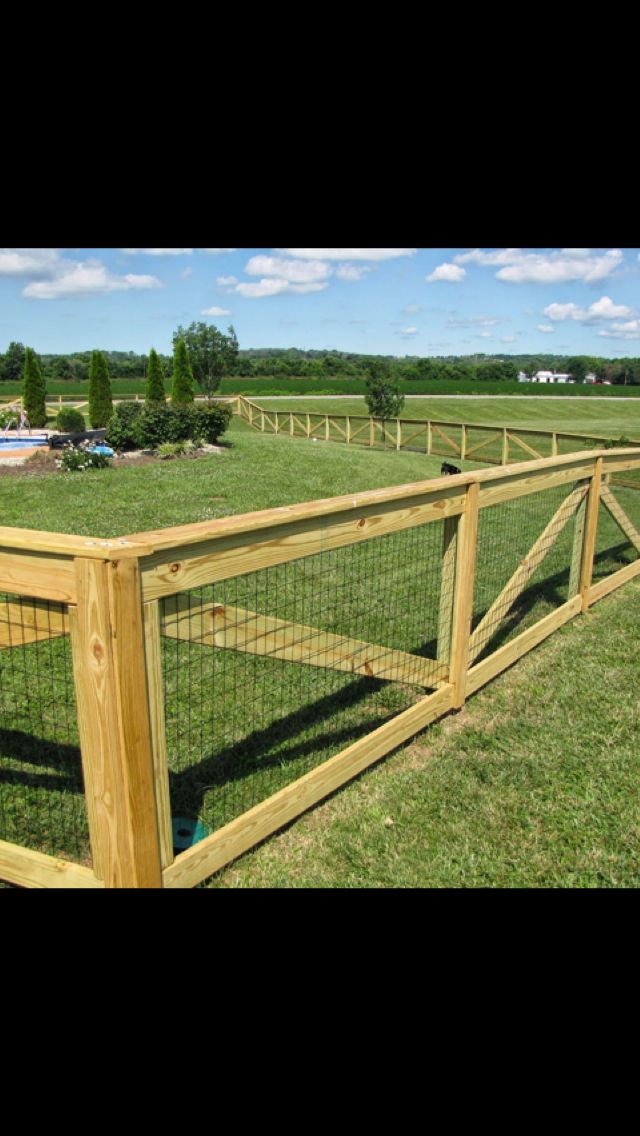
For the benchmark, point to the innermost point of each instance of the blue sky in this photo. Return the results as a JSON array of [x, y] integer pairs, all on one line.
[[402, 301]]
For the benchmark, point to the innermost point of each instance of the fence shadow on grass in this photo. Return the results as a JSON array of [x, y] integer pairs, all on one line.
[[553, 591]]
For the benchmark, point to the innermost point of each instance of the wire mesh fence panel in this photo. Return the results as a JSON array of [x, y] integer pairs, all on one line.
[[268, 675], [529, 446], [485, 445], [570, 444], [414, 436], [446, 440], [618, 535], [524, 567], [42, 805]]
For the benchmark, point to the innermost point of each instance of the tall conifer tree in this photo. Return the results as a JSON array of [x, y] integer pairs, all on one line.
[[182, 389], [100, 397], [34, 390]]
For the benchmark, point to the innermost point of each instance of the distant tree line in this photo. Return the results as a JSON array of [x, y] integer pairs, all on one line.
[[214, 355]]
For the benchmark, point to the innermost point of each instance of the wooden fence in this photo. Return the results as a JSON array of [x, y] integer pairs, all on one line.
[[493, 445], [125, 608]]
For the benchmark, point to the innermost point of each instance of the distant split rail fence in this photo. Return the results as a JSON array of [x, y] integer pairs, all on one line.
[[493, 445], [171, 698]]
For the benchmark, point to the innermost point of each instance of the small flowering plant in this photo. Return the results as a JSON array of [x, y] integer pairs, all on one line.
[[75, 460]]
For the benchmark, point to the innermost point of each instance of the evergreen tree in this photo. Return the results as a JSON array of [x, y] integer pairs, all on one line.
[[154, 390], [182, 389], [34, 390], [100, 399]]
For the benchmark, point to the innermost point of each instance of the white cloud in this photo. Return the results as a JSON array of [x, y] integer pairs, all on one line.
[[172, 252], [517, 266], [628, 330], [276, 286], [451, 273], [348, 253], [294, 271], [227, 281], [186, 273], [408, 331], [546, 329], [216, 312], [352, 272], [158, 252], [85, 278], [411, 309], [28, 261], [604, 308], [508, 338]]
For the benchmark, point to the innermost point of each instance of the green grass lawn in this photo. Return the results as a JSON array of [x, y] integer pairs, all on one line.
[[533, 785], [606, 419]]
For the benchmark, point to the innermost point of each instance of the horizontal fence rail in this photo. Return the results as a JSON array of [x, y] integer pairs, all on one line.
[[170, 698], [485, 444]]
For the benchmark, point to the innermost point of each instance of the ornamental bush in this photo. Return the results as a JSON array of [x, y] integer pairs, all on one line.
[[70, 421], [78, 461], [121, 431], [213, 421]]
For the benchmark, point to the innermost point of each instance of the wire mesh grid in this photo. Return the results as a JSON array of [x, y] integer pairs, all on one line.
[[615, 547], [42, 805], [525, 554], [270, 674]]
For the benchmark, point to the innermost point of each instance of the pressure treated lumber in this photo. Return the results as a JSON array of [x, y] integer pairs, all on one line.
[[31, 622], [155, 686], [500, 608], [30, 869], [620, 517], [466, 555], [114, 722], [612, 583], [232, 628], [523, 445], [211, 854], [189, 567], [500, 660], [590, 533]]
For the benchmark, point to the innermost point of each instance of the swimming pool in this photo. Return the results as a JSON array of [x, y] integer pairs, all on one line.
[[21, 443]]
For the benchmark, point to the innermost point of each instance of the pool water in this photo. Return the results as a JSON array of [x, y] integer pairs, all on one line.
[[21, 443]]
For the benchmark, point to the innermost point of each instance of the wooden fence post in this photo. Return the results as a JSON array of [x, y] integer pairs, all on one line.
[[429, 438], [114, 723], [463, 443], [590, 534], [372, 432], [466, 557], [505, 446], [348, 430]]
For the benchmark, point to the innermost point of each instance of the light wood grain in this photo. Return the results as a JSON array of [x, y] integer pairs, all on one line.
[[612, 583], [523, 445], [113, 719], [500, 660], [520, 579], [208, 857], [590, 533], [233, 628], [155, 685], [34, 870], [224, 558], [620, 517], [466, 555], [31, 622]]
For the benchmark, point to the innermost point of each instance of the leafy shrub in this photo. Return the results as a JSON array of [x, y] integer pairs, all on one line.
[[212, 421], [70, 421], [147, 427], [77, 461], [121, 431], [169, 450]]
